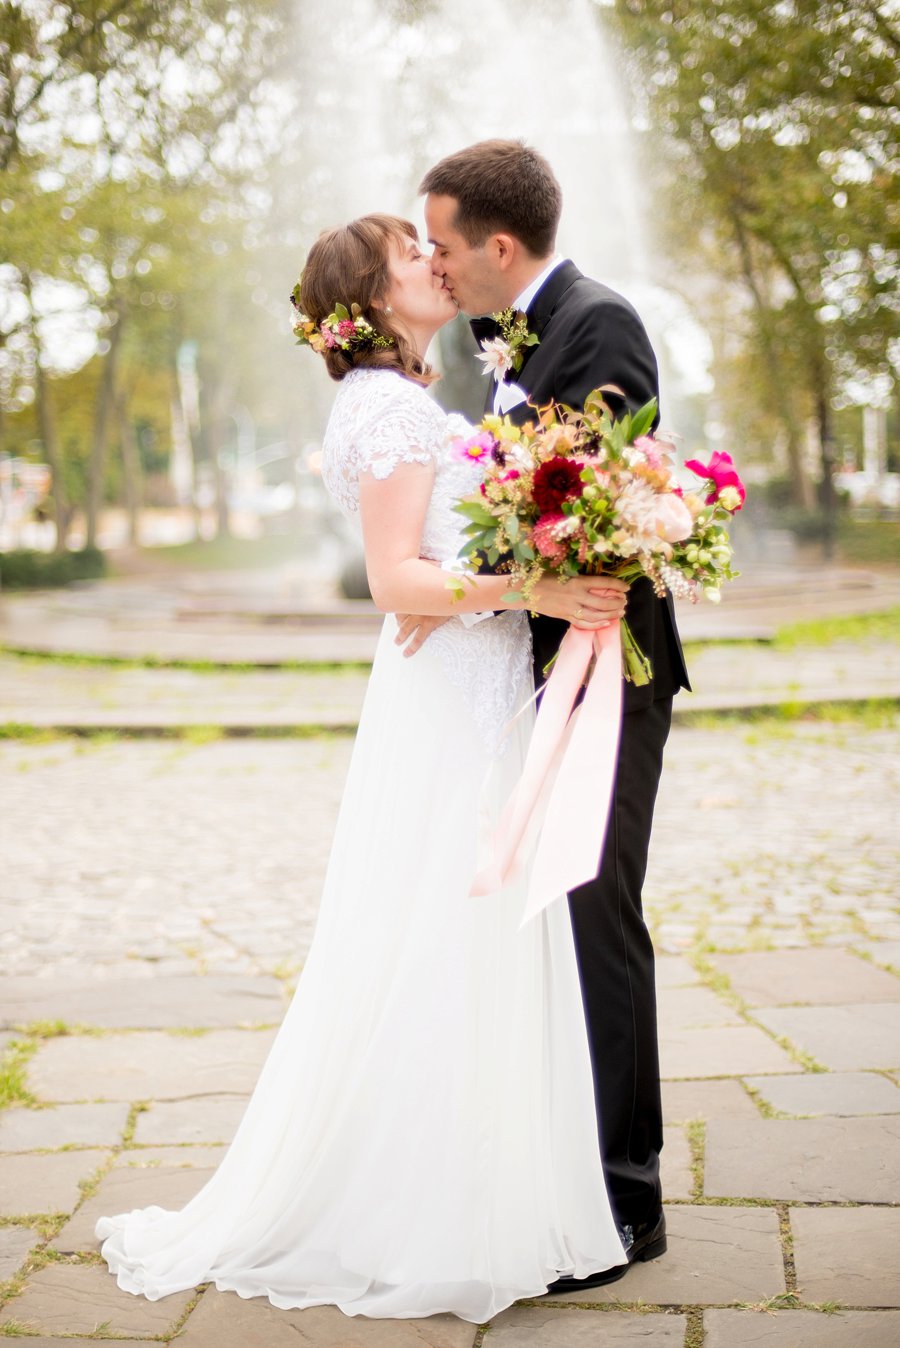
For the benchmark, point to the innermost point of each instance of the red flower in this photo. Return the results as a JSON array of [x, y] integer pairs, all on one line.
[[547, 540], [721, 472], [556, 481]]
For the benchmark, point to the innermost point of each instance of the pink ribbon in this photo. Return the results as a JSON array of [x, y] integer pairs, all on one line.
[[567, 780]]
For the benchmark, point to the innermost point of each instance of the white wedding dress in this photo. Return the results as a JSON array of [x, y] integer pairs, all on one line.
[[422, 1137]]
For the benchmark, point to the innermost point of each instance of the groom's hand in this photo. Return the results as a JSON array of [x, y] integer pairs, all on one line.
[[414, 630], [587, 602]]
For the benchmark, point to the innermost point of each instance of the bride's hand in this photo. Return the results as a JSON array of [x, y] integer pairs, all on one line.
[[414, 630], [587, 602]]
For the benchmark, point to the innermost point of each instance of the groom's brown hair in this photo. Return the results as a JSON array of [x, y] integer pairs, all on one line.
[[500, 185]]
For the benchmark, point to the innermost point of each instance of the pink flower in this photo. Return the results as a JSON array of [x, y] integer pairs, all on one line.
[[650, 450], [511, 476], [673, 519], [547, 540], [346, 328], [473, 450], [721, 472], [329, 338]]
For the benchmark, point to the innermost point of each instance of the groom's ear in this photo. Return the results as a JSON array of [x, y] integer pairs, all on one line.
[[503, 249]]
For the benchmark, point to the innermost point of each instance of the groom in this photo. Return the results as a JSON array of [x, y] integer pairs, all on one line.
[[492, 212]]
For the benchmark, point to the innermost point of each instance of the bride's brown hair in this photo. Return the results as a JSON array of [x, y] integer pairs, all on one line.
[[351, 265]]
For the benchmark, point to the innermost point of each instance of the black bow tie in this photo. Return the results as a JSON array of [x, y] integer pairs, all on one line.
[[484, 329]]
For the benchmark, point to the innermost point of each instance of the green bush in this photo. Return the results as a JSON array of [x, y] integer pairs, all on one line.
[[26, 569]]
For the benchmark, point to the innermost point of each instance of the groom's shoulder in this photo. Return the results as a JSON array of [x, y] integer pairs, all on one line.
[[587, 294]]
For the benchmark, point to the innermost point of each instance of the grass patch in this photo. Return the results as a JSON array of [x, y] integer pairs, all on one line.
[[185, 734], [695, 1131], [13, 1073], [228, 554], [879, 713], [196, 666], [694, 1334], [884, 626]]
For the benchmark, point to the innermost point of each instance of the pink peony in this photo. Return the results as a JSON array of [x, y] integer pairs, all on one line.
[[673, 519], [721, 472]]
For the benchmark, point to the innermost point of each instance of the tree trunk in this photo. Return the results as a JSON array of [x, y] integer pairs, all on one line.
[[825, 427], [801, 486], [47, 430], [131, 465], [104, 408], [217, 405]]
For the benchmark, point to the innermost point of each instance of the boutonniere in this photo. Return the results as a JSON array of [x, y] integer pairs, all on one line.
[[507, 352]]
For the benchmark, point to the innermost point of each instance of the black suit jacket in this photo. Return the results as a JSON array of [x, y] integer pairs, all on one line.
[[590, 336]]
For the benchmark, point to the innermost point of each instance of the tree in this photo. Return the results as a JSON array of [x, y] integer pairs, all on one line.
[[781, 118]]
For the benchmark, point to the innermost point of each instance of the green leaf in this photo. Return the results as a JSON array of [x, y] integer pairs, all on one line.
[[643, 420], [341, 311], [511, 525]]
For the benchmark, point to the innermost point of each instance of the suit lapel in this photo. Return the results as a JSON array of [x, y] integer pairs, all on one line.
[[544, 305]]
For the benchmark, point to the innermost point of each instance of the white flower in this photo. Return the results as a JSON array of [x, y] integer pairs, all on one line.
[[497, 357]]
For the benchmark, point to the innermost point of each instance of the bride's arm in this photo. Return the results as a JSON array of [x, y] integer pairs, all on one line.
[[393, 509]]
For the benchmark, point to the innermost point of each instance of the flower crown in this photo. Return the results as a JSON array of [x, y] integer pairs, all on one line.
[[344, 329]]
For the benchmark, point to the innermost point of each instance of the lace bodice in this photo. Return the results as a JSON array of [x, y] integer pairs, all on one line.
[[379, 420]]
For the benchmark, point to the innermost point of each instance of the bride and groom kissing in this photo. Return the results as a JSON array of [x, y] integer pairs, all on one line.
[[460, 1108]]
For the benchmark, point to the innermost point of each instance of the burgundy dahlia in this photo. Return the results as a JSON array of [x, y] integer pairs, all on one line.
[[556, 481]]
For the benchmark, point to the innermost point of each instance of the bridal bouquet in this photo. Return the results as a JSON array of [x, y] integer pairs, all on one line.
[[583, 493]]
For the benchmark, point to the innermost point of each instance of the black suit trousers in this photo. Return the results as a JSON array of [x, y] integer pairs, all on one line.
[[615, 960]]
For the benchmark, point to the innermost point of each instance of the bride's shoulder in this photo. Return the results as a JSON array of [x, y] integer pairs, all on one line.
[[376, 393]]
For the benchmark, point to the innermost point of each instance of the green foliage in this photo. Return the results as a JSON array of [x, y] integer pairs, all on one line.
[[780, 123], [25, 569]]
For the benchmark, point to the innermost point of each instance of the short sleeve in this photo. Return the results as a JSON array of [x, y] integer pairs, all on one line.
[[407, 430]]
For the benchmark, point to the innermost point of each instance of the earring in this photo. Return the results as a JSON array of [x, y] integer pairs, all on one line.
[[388, 309]]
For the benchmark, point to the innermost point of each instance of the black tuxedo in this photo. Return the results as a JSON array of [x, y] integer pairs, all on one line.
[[590, 336]]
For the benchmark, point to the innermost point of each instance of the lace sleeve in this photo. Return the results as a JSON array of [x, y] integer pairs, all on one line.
[[394, 438], [379, 420]]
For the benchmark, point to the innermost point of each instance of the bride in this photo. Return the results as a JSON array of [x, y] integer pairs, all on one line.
[[422, 1137]]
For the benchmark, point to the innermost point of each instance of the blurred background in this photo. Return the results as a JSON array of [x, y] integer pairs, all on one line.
[[164, 168]]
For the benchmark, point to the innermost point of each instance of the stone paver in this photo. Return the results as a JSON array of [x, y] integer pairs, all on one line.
[[15, 1242], [841, 1037], [125, 1188], [149, 1064], [886, 953], [718, 1052], [832, 1160], [685, 1100], [225, 1320], [674, 971], [675, 1165], [801, 1329], [91, 1125], [211, 1000], [530, 1327], [45, 1183], [848, 1255], [143, 1158], [844, 1094], [212, 1118], [75, 1299], [693, 1009], [813, 977], [716, 1255]]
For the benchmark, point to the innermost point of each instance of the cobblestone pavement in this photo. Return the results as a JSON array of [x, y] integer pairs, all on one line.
[[195, 868], [129, 856]]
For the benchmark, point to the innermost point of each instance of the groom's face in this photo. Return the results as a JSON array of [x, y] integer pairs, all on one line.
[[471, 274]]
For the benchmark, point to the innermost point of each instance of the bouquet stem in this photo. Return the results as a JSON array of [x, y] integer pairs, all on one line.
[[636, 668]]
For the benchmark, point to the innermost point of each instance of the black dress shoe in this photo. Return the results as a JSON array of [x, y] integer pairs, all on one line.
[[644, 1241]]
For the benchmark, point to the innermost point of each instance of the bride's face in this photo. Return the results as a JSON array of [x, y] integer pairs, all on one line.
[[416, 295]]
